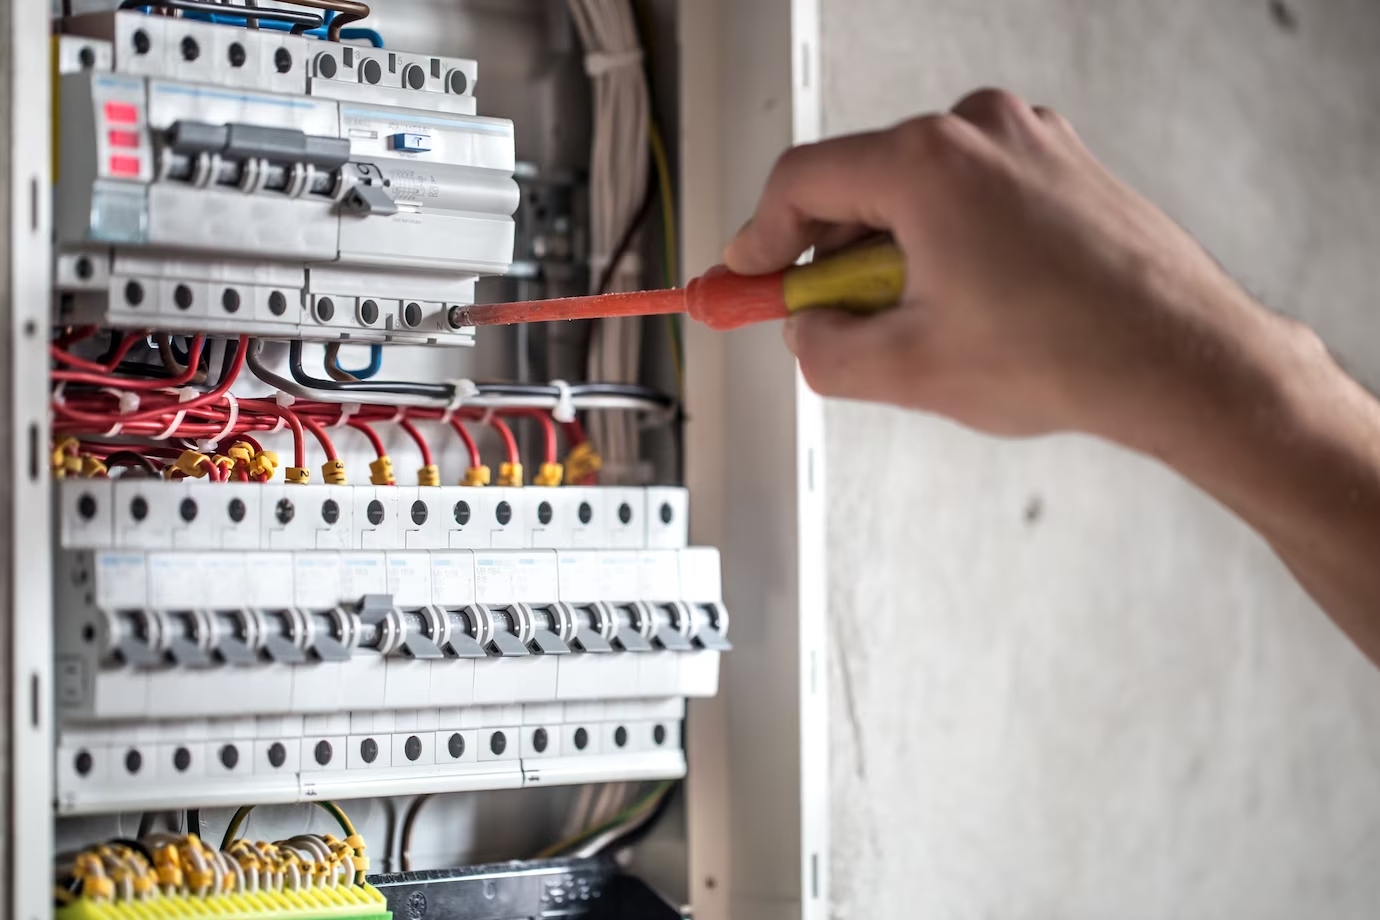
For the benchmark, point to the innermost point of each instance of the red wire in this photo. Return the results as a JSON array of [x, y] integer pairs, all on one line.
[[371, 434], [167, 406], [506, 435], [548, 427], [322, 438], [299, 446], [95, 370], [468, 440], [76, 334], [126, 343], [420, 441]]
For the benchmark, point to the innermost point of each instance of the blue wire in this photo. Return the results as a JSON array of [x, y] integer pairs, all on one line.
[[225, 19], [373, 367]]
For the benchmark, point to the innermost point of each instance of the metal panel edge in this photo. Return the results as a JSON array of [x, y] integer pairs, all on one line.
[[27, 612], [754, 460]]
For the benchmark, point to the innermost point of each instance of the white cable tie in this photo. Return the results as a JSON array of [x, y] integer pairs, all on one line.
[[172, 427], [213, 443], [564, 409], [284, 399], [598, 63], [128, 400], [399, 415], [115, 429], [185, 394], [282, 423], [59, 396], [346, 411], [465, 389], [488, 417]]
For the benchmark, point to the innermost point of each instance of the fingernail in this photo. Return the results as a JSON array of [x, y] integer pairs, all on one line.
[[788, 333]]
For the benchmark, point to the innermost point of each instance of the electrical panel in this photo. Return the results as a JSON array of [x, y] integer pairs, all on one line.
[[232, 183]]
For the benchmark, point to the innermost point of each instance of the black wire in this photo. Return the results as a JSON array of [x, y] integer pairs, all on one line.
[[192, 821], [116, 339], [134, 845], [130, 458], [402, 387], [145, 825], [447, 391], [645, 208]]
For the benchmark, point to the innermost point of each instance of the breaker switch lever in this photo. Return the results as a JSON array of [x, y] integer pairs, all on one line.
[[505, 642], [592, 623], [627, 634], [420, 626], [281, 628], [136, 637], [665, 630], [709, 626], [465, 629], [184, 644], [236, 631], [547, 625]]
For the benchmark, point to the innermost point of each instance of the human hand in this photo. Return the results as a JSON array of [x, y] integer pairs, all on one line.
[[1042, 293]]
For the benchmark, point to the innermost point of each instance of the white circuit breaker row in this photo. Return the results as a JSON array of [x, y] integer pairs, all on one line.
[[217, 179], [191, 514], [232, 761], [158, 635]]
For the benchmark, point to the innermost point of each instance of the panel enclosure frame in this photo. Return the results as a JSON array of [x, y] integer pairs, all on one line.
[[26, 657], [758, 785]]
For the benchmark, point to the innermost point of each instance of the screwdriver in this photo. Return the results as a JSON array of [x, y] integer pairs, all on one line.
[[859, 279]]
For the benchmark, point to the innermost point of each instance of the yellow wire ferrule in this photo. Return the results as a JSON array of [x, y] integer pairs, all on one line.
[[510, 474], [64, 453], [298, 475], [265, 462], [381, 472], [92, 467], [582, 461], [333, 472], [429, 475], [550, 474], [476, 476], [190, 464]]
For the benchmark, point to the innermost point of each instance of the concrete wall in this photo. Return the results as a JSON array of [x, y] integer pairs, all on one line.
[[1065, 684]]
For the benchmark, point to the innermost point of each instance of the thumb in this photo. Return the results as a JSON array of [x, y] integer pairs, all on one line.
[[850, 356]]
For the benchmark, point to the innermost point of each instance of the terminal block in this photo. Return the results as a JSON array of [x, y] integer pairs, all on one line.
[[216, 179]]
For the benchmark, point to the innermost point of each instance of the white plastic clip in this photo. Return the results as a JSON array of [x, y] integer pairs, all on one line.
[[346, 411], [564, 410], [465, 389], [172, 426], [214, 442], [128, 401], [284, 399]]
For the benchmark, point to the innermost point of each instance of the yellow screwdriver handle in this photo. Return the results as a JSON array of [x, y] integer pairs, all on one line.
[[860, 279]]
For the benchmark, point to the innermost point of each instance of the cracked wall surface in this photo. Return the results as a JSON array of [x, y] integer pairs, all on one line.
[[1064, 684]]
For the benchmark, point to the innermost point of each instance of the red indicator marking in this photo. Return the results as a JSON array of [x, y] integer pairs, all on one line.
[[124, 166], [124, 139], [121, 113]]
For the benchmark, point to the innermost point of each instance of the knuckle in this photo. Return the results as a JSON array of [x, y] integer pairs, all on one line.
[[1053, 118], [992, 105], [927, 134]]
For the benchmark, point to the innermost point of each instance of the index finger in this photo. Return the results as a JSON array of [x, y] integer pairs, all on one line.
[[844, 180]]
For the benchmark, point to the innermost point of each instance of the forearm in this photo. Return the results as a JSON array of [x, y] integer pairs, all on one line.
[[1273, 428]]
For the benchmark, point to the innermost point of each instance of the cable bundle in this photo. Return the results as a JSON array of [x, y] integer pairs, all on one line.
[[617, 182], [171, 876]]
